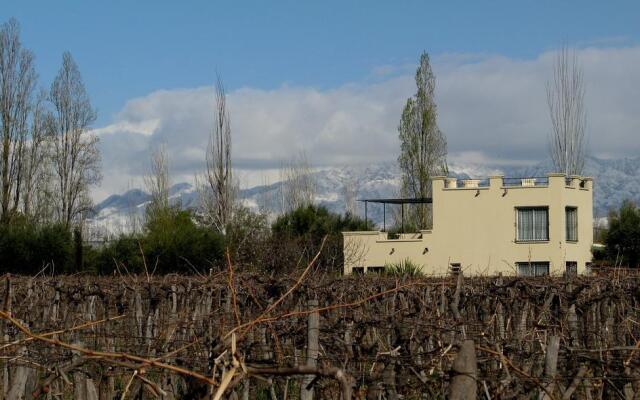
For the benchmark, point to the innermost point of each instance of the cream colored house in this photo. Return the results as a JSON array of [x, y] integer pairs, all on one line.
[[533, 226]]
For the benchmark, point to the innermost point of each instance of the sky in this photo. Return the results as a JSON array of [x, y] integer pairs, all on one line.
[[331, 77]]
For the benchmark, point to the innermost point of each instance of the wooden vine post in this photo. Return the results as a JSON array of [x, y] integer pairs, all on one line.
[[313, 348], [465, 373]]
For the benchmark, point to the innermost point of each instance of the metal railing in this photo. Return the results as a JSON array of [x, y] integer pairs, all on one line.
[[526, 182]]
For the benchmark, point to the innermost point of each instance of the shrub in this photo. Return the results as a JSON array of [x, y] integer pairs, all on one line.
[[300, 232], [171, 243], [623, 236], [315, 221], [26, 248], [125, 251], [177, 244]]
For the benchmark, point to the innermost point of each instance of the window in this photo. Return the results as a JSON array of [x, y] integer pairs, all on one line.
[[375, 270], [533, 224], [571, 217], [571, 268], [357, 270], [534, 268]]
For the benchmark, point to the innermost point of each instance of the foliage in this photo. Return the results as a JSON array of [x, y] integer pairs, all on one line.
[[25, 248], [423, 147], [297, 235], [172, 242], [600, 254], [623, 236], [403, 268], [177, 244], [315, 222], [123, 252]]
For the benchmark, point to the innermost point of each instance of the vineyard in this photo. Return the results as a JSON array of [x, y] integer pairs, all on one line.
[[239, 335]]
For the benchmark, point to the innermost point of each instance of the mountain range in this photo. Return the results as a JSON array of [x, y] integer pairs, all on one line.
[[615, 181]]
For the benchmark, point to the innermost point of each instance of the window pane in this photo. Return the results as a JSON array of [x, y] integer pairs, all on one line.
[[524, 269], [571, 216], [542, 269], [533, 224], [535, 268]]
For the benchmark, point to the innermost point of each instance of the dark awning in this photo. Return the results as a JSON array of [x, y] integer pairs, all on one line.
[[421, 200]]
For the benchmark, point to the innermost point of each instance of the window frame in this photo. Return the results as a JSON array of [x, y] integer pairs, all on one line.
[[517, 225], [566, 223], [534, 265], [571, 268]]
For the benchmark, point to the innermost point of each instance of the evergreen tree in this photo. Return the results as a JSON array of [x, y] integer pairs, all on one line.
[[423, 147]]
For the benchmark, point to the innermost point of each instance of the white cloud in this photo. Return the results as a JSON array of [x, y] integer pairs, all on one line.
[[491, 108]]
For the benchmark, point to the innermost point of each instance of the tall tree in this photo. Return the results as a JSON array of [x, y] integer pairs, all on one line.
[[298, 186], [565, 98], [36, 163], [350, 193], [17, 82], [158, 182], [218, 191], [423, 147], [76, 157]]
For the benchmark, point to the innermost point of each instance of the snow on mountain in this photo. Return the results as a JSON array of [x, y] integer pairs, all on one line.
[[615, 181]]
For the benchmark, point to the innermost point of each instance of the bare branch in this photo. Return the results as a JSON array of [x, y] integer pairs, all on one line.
[[76, 157], [565, 98], [298, 186], [158, 181], [218, 193]]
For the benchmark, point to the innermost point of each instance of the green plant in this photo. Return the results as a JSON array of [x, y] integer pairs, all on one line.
[[172, 242], [301, 231], [623, 236], [25, 248], [405, 267], [125, 252], [177, 244]]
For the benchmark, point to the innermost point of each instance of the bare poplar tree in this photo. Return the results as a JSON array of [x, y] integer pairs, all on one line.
[[158, 182], [298, 186], [350, 194], [565, 98], [17, 82], [76, 158], [218, 191], [423, 147], [37, 162]]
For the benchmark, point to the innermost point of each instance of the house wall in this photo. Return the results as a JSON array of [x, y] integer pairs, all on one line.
[[476, 227]]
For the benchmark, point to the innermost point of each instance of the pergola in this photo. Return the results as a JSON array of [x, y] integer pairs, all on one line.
[[384, 202]]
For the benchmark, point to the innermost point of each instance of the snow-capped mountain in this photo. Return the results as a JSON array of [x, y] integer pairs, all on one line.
[[615, 181]]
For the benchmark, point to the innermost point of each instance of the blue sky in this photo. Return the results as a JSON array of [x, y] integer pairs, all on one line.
[[127, 49], [331, 77]]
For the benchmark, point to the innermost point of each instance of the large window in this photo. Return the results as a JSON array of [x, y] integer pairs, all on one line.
[[534, 268], [533, 224], [571, 217]]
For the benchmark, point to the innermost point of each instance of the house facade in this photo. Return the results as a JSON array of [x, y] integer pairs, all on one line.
[[530, 227]]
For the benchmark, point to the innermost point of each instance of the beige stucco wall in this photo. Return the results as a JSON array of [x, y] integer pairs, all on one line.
[[476, 227]]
